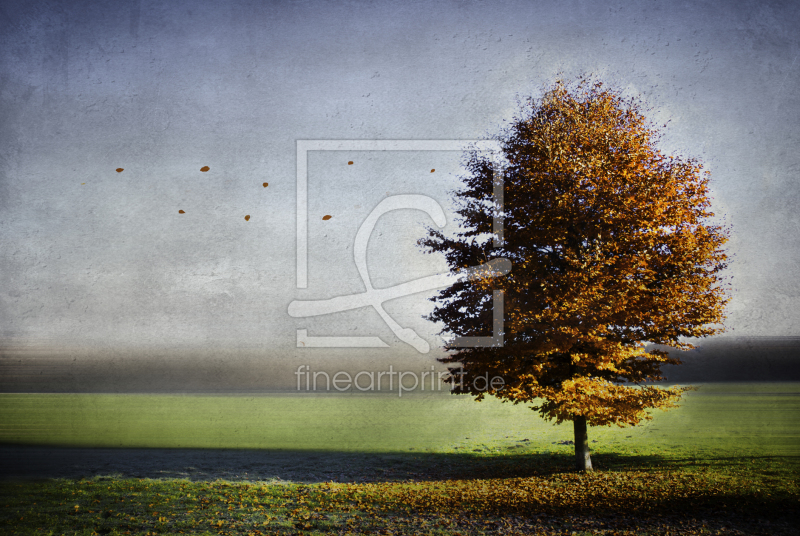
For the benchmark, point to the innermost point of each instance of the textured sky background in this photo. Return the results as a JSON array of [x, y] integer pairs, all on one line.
[[100, 265]]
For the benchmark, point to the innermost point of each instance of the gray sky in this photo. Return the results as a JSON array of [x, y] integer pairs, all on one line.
[[92, 258]]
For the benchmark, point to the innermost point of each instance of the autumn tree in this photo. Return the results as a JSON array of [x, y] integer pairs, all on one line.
[[613, 249]]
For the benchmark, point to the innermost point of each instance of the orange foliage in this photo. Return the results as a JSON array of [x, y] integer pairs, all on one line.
[[612, 247]]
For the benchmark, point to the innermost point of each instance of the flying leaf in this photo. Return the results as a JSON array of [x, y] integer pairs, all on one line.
[[204, 169], [327, 217]]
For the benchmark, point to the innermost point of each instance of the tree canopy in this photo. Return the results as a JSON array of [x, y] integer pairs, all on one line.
[[613, 247]]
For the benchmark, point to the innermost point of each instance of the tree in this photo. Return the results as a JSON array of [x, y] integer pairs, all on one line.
[[612, 246]]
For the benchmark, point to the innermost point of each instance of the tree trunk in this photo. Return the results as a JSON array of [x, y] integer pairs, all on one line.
[[583, 461]]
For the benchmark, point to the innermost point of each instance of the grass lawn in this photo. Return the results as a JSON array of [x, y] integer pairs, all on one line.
[[726, 462]]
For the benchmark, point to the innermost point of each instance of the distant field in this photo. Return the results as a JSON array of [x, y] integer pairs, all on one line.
[[753, 418]]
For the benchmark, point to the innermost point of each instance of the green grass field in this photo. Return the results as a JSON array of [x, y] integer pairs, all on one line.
[[745, 418], [726, 462]]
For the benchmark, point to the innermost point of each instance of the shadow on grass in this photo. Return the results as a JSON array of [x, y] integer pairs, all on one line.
[[35, 462], [624, 500]]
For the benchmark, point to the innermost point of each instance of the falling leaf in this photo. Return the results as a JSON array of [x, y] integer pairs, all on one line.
[[247, 218], [327, 217], [265, 184], [204, 169], [433, 170], [181, 212], [120, 170], [83, 183], [350, 163]]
